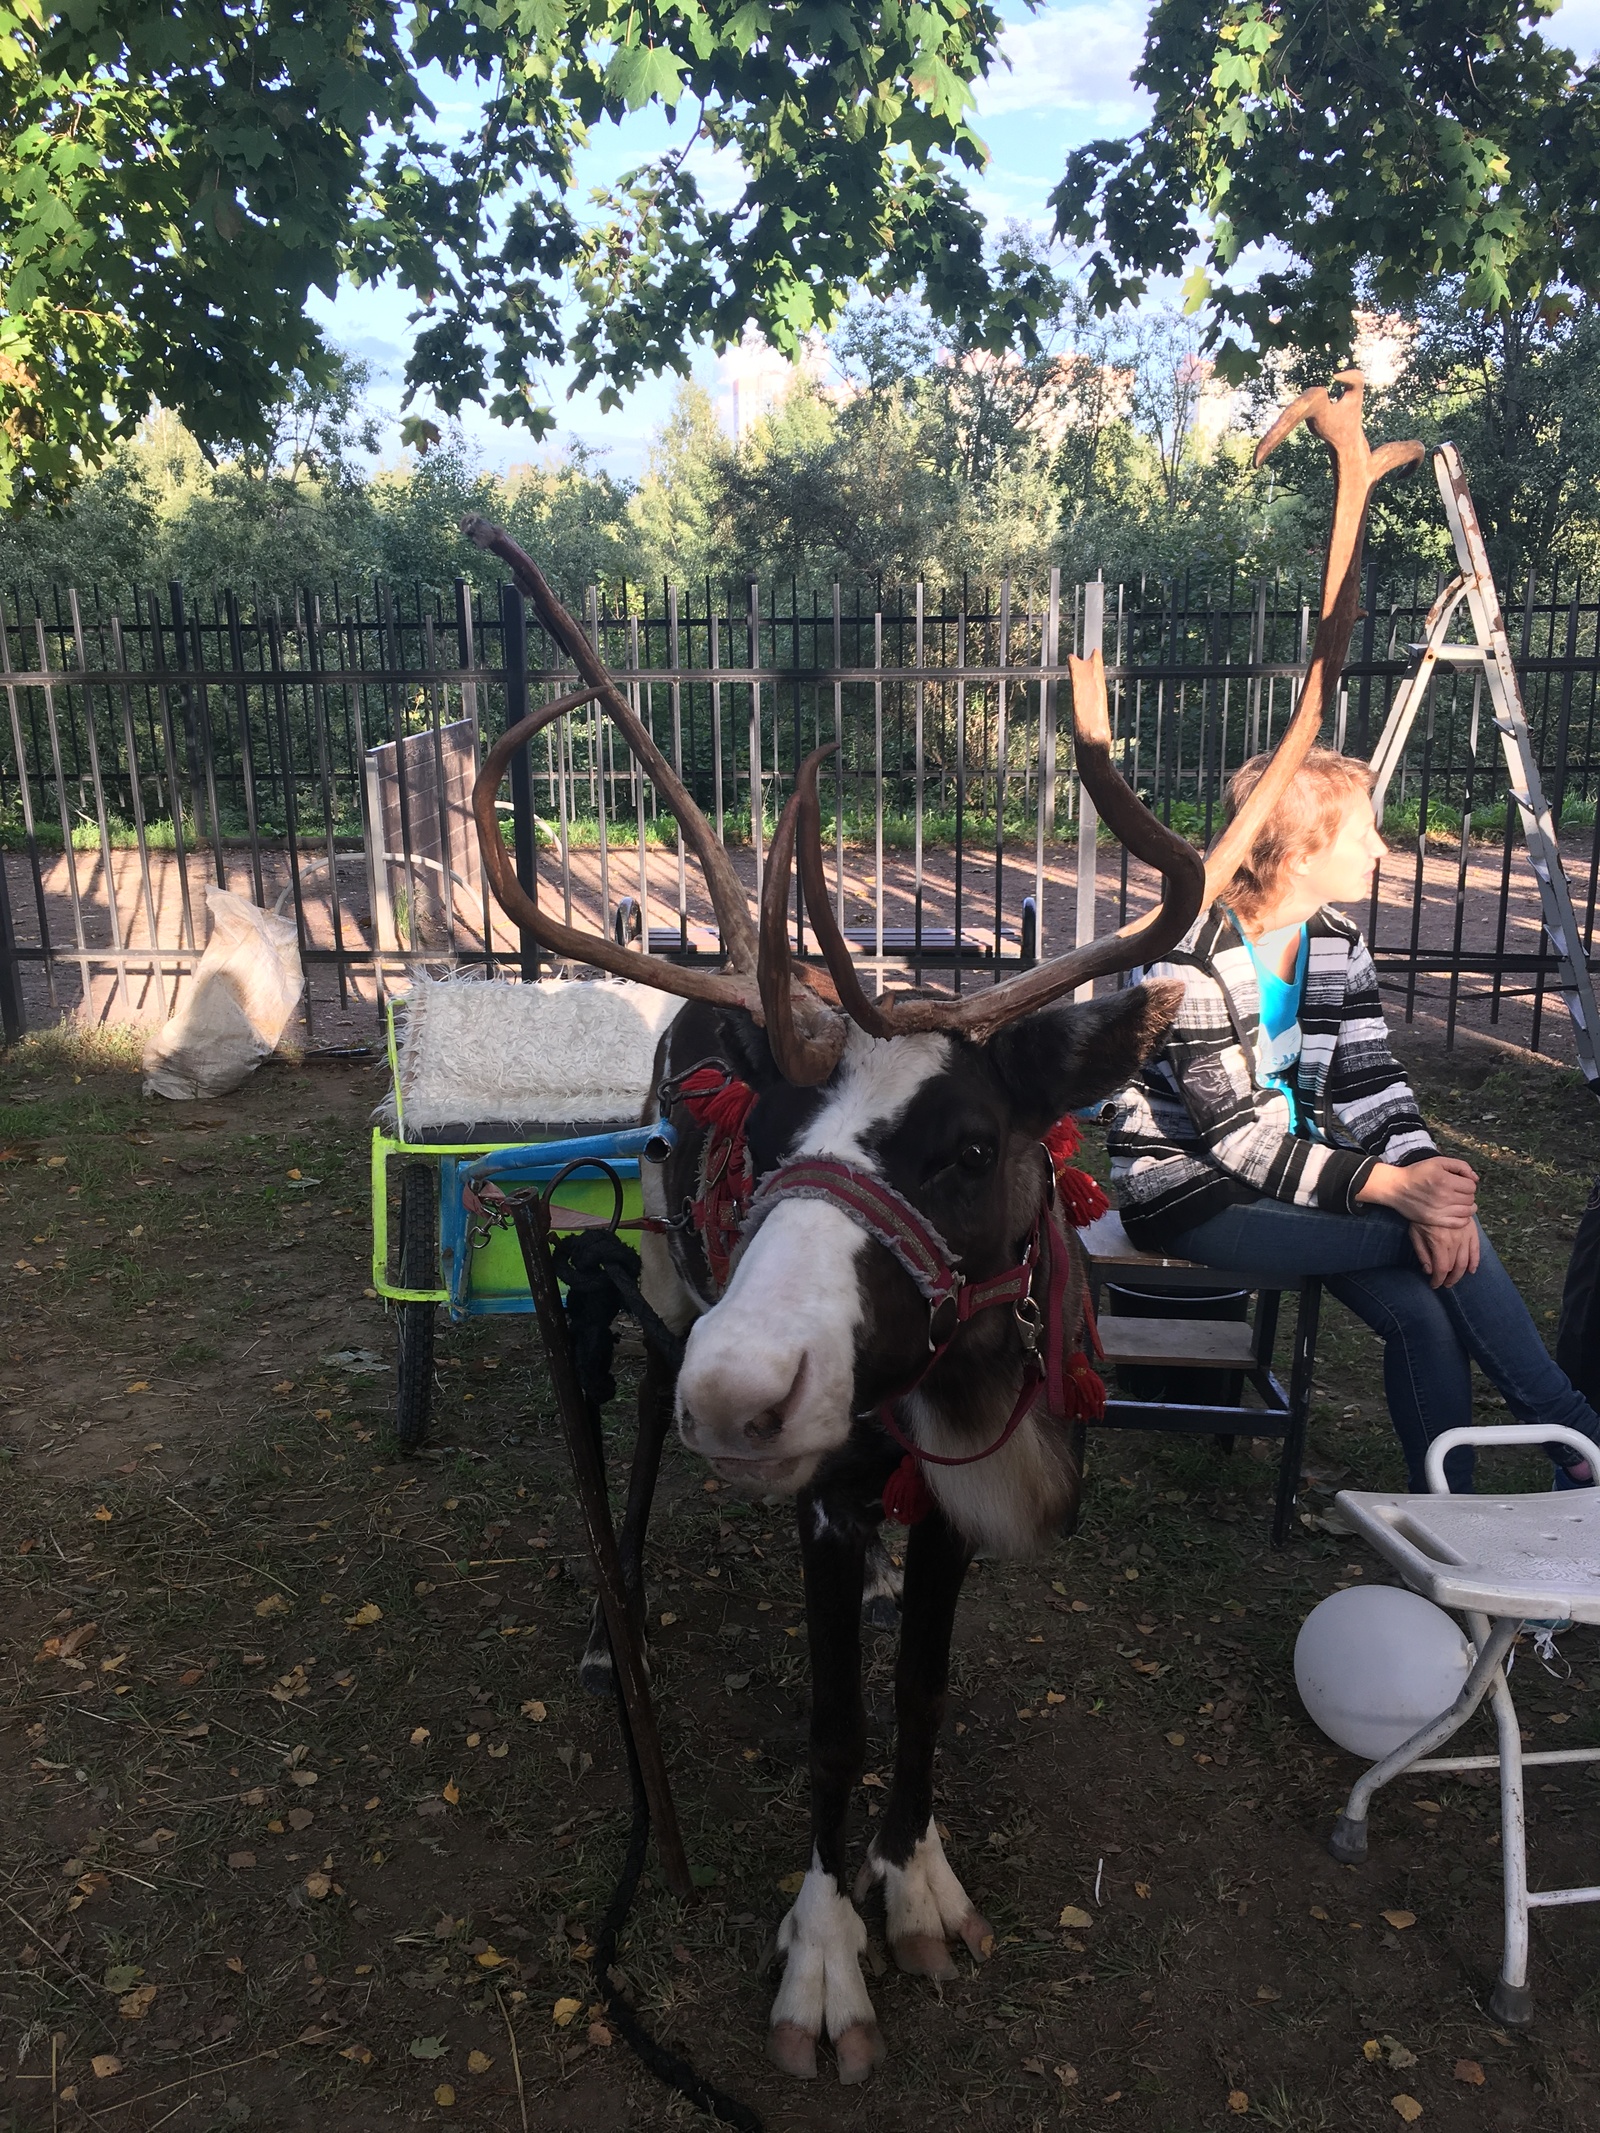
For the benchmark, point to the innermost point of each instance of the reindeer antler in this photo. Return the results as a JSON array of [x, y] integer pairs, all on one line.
[[1357, 471], [979, 1014], [806, 1032]]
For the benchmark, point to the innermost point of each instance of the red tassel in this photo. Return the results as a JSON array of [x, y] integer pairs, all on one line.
[[906, 1497], [717, 1100], [1082, 1199], [1063, 1141], [1085, 1390]]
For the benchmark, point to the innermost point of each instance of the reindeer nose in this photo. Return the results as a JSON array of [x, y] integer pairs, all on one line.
[[762, 1428]]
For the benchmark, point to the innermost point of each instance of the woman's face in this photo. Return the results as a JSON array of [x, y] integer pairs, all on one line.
[[1340, 872]]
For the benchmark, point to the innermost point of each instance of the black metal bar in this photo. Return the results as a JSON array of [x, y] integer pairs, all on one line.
[[514, 651]]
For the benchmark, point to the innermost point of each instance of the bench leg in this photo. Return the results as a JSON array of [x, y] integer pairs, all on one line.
[[1511, 2001], [1299, 1416]]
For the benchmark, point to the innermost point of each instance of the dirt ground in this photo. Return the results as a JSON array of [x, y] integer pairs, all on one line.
[[310, 1826]]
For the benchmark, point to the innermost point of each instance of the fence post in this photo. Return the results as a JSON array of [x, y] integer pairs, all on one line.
[[514, 636], [1094, 629], [13, 1021]]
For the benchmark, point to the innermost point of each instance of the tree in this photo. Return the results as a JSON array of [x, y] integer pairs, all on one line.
[[175, 181], [1401, 140]]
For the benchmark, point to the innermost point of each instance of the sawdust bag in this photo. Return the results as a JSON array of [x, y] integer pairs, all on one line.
[[246, 987]]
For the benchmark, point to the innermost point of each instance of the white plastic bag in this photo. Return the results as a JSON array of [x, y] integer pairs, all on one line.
[[246, 987]]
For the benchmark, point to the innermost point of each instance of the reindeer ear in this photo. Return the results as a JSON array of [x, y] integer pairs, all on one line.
[[1064, 1057]]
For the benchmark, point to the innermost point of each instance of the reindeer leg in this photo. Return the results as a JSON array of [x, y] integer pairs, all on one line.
[[926, 1905], [655, 1418], [823, 1938]]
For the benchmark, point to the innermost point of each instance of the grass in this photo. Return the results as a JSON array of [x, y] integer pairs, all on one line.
[[254, 1507]]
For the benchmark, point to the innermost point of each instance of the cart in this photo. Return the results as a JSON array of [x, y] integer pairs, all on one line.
[[437, 1252]]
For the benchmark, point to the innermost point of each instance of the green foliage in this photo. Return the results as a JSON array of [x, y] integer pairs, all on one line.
[[1436, 138], [175, 182]]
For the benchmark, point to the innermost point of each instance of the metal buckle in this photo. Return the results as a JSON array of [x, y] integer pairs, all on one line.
[[1030, 1322]]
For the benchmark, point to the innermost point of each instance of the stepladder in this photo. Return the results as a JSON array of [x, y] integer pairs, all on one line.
[[1488, 655]]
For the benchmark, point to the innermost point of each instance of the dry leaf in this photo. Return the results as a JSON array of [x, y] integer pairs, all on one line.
[[444, 2095], [1238, 2102], [1400, 1919], [1075, 1920], [1268, 1992], [535, 1710], [1142, 1889], [478, 2062], [490, 1959], [235, 1965], [499, 1749], [106, 2064], [1469, 2071], [241, 1859], [102, 1517], [451, 1792], [1407, 2107], [563, 2011], [427, 2047], [1067, 2076], [599, 2034], [359, 2053], [284, 1385], [791, 1884], [140, 1385], [1175, 1740], [1318, 1912], [365, 1615], [1397, 2055], [1371, 2050], [273, 1604], [667, 1620], [419, 1734], [134, 2006], [317, 1886]]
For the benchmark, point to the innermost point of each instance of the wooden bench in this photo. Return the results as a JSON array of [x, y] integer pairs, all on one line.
[[1234, 1347]]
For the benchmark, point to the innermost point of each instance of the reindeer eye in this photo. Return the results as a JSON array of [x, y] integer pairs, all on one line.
[[975, 1158]]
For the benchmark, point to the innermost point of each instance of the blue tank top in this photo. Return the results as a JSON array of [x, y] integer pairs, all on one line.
[[1278, 1047]]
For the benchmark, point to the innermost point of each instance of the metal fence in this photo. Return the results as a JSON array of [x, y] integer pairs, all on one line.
[[158, 743]]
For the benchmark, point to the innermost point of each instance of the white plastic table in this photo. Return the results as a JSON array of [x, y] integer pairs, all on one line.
[[1497, 1561]]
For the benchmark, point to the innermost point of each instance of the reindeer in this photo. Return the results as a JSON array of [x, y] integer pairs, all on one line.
[[854, 1227]]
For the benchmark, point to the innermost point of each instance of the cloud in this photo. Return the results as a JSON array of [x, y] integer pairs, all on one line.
[[1575, 24], [1076, 58]]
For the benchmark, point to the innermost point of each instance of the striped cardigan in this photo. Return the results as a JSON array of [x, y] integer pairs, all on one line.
[[1194, 1133]]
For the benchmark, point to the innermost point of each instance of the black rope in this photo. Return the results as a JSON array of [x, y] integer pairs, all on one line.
[[600, 1272]]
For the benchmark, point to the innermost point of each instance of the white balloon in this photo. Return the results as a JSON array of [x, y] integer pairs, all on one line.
[[1374, 1663]]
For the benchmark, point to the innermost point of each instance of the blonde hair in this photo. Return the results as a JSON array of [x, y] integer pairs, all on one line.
[[1305, 819]]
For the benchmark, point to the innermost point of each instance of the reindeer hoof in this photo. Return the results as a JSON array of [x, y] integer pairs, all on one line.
[[792, 2050], [924, 1955], [859, 2050], [978, 1934]]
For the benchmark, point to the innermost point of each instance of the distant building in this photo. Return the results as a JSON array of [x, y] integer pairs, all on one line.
[[755, 379]]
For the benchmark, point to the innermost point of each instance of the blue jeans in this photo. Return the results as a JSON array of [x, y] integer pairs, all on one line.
[[1430, 1336]]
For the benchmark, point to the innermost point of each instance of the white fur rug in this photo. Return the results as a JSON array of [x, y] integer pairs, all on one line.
[[490, 1060]]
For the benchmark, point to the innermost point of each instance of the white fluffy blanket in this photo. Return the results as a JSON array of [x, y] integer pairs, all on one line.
[[490, 1060]]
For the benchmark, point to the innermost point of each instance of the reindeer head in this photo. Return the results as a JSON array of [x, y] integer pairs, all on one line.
[[943, 1099]]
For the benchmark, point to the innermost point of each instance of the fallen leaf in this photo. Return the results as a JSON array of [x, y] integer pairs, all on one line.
[[1397, 2055], [1076, 1920], [140, 1385], [499, 1750], [317, 1886], [667, 1620], [241, 1859], [535, 1710], [1033, 2066], [293, 1173], [359, 2053], [419, 1734], [451, 1792], [1400, 1919], [300, 1818], [1067, 2076], [478, 2062], [1175, 1740], [106, 2064], [599, 2034], [1268, 1992], [444, 2095], [1142, 1889], [1469, 2071], [1371, 2050], [235, 1965], [563, 2011], [791, 1884], [365, 1615], [135, 2005], [273, 1604], [1406, 2107], [1238, 2102], [284, 1385], [102, 1517], [490, 1959], [122, 1977], [1318, 1912], [426, 2047]]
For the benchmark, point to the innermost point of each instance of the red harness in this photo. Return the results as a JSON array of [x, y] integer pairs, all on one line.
[[726, 1208]]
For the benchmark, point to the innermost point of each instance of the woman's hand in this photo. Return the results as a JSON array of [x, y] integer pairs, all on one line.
[[1441, 1193], [1446, 1254]]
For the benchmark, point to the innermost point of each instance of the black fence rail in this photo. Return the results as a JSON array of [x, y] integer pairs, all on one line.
[[240, 734]]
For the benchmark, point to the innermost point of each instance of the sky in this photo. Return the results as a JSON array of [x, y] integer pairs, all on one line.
[[1067, 83]]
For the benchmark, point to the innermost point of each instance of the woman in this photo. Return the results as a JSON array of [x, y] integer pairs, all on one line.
[[1274, 1135]]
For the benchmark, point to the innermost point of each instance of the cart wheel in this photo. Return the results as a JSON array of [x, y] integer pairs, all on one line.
[[419, 1268]]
